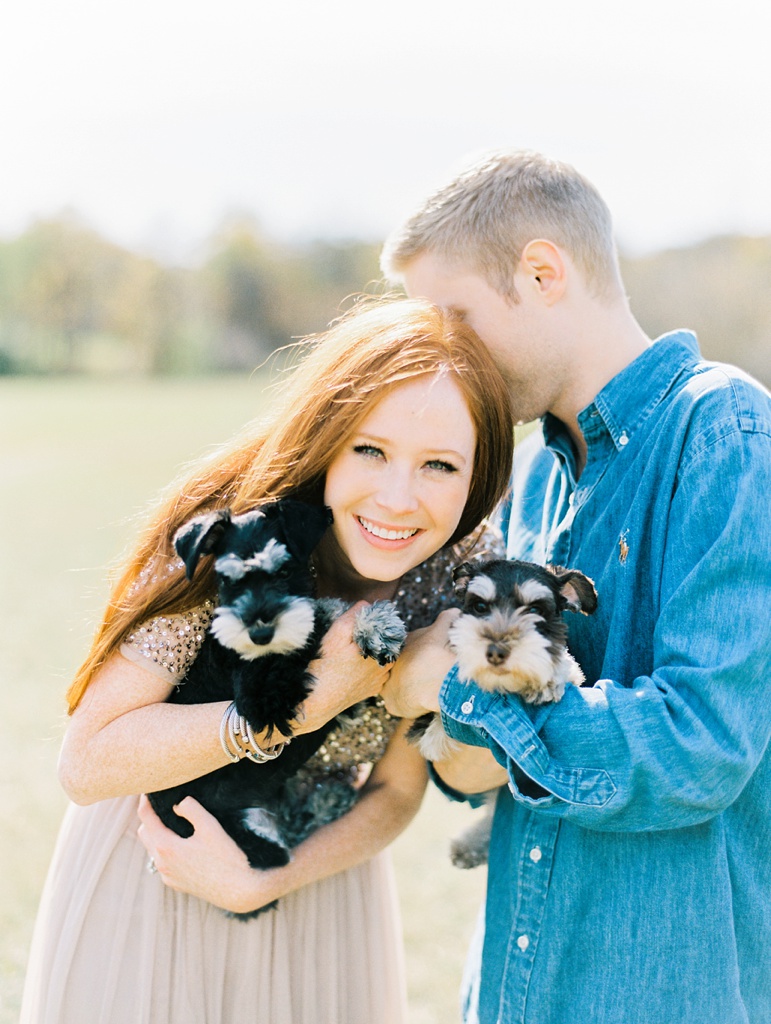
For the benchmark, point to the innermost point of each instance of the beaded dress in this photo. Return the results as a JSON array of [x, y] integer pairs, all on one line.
[[114, 945]]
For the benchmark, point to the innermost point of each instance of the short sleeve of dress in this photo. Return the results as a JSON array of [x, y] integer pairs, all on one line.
[[168, 645]]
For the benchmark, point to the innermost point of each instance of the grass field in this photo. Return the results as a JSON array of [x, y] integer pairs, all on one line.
[[78, 461]]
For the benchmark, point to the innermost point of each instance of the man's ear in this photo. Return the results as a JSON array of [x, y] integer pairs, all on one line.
[[544, 268]]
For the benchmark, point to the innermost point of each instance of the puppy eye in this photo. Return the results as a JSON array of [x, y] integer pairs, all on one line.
[[533, 609], [479, 606], [283, 573]]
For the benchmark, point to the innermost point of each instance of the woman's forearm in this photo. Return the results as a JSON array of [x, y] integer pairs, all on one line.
[[147, 749], [125, 739]]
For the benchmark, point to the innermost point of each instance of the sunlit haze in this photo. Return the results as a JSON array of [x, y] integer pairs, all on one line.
[[154, 119]]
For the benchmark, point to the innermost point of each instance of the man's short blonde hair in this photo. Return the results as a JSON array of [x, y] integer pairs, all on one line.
[[484, 217]]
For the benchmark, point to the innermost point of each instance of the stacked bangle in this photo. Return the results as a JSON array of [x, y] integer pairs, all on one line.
[[238, 740]]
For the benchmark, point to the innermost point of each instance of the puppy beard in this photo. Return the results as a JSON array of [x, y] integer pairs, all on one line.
[[529, 669], [293, 628]]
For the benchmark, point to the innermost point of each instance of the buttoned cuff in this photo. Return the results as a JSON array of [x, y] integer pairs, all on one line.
[[467, 711], [509, 728]]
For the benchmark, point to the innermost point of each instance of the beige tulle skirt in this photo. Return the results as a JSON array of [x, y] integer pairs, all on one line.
[[113, 945]]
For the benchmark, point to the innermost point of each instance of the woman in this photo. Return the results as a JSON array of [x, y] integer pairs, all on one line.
[[399, 421]]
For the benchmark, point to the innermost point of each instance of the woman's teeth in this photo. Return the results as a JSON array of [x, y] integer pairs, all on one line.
[[378, 531]]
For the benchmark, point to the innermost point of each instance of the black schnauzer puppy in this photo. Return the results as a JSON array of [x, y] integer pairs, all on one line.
[[510, 638], [266, 629]]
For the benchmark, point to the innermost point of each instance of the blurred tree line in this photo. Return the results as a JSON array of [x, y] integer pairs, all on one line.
[[73, 302]]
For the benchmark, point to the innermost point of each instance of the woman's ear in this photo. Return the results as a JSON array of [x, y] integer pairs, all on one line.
[[544, 266]]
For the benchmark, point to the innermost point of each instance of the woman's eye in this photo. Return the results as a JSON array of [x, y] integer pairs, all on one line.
[[370, 450], [442, 466]]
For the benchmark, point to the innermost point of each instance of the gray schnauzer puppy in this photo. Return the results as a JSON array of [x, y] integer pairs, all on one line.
[[267, 628], [509, 638]]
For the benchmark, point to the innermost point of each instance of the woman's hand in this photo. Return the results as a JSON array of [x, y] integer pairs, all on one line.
[[416, 678], [209, 864], [343, 676]]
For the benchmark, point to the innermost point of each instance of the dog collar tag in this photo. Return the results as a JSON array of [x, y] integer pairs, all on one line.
[[467, 706]]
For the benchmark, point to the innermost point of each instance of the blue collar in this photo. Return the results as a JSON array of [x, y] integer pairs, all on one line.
[[630, 397]]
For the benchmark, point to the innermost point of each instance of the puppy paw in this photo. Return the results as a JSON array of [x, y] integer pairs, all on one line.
[[550, 693], [433, 742], [469, 849], [466, 857], [379, 632]]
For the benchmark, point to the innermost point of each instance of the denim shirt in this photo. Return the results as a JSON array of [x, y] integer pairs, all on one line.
[[630, 862]]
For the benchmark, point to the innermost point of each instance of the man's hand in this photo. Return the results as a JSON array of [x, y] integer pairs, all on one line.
[[413, 686]]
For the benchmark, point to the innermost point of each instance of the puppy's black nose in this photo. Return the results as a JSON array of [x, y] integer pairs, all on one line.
[[261, 633], [496, 654]]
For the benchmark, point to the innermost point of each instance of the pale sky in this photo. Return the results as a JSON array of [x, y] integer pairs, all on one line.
[[155, 118]]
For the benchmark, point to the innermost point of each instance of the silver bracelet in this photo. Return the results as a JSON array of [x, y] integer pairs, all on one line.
[[238, 739]]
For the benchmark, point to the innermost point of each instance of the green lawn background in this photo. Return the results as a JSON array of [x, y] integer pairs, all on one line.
[[79, 460]]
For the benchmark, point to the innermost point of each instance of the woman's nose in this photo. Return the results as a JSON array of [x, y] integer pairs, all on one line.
[[398, 493]]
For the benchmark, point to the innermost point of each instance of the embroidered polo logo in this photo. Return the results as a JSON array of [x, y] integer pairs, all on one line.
[[623, 547]]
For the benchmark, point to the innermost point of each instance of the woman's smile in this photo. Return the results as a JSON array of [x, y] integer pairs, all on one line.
[[386, 533]]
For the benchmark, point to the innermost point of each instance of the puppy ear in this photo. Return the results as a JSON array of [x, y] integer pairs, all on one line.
[[304, 526], [199, 537], [577, 590], [461, 577]]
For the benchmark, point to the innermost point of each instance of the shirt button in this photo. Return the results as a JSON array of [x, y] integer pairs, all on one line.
[[535, 854], [624, 439], [467, 707], [523, 942]]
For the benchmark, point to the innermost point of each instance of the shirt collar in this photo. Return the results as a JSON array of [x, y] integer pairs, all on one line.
[[632, 395]]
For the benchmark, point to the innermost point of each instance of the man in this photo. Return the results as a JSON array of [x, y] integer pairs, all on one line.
[[630, 865]]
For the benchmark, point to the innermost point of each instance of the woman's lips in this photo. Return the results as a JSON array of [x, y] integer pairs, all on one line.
[[386, 534]]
